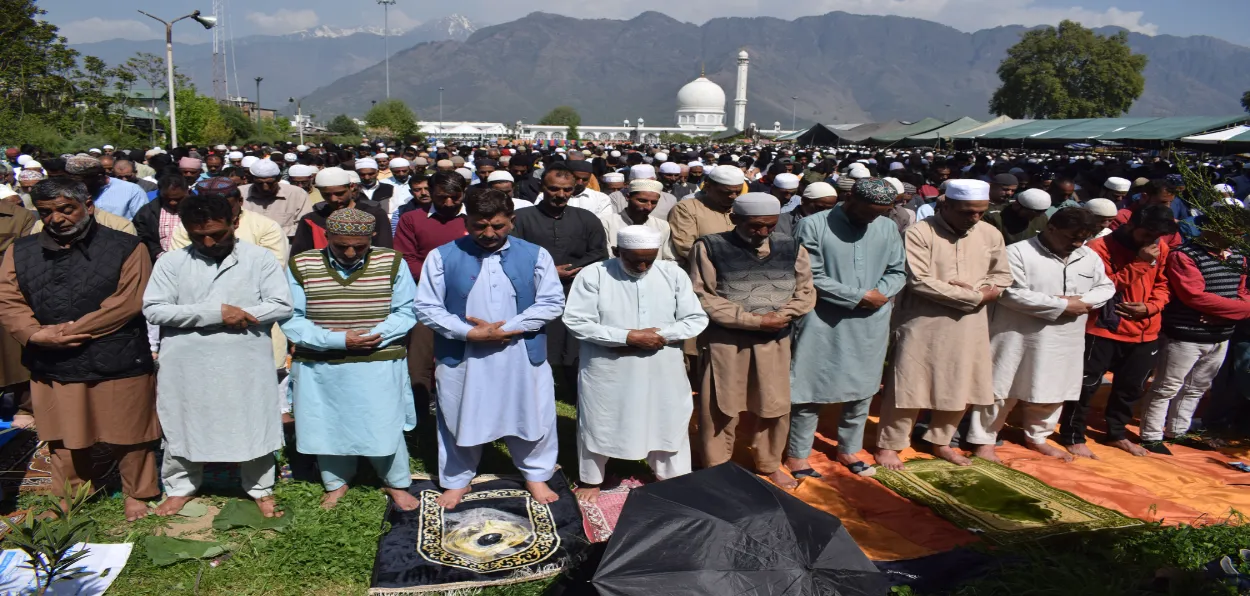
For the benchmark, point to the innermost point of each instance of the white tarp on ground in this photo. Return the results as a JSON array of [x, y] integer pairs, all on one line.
[[104, 562]]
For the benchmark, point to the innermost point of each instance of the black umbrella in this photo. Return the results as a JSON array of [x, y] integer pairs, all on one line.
[[724, 531]]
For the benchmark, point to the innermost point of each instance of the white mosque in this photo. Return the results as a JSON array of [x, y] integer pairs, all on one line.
[[700, 112]]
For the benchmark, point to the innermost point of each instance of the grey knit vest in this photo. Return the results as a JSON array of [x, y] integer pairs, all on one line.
[[759, 285]]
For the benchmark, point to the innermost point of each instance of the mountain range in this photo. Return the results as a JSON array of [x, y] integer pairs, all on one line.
[[841, 67], [292, 65]]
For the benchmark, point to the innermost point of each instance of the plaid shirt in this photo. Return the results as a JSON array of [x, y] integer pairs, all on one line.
[[169, 223]]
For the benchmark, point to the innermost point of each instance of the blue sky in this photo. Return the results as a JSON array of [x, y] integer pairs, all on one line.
[[90, 20]]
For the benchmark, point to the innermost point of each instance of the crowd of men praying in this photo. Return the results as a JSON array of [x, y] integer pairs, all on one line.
[[693, 301]]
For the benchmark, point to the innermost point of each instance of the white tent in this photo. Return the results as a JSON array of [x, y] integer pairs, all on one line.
[[1218, 136]]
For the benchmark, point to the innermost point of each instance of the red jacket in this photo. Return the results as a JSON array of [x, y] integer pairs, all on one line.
[[1135, 281]]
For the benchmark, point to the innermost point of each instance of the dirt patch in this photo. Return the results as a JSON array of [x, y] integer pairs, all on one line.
[[191, 528]]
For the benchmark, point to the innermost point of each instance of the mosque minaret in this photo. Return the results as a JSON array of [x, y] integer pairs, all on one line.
[[740, 98]]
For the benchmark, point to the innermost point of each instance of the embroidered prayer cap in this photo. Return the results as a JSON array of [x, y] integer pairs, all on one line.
[[81, 164], [500, 176], [642, 170], [1035, 199], [1101, 207], [669, 167], [645, 185], [661, 156], [909, 188], [350, 222], [367, 163], [30, 175], [248, 161], [400, 162], [727, 175], [614, 177], [756, 203], [332, 177], [301, 148], [234, 155], [216, 185], [638, 238], [786, 181], [874, 190], [819, 190], [264, 168], [289, 157], [190, 163], [1118, 184], [858, 170], [967, 190], [465, 172]]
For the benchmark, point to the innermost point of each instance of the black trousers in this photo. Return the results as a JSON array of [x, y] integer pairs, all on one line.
[[1131, 364]]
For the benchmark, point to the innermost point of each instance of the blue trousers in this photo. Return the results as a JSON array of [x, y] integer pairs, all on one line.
[[337, 470]]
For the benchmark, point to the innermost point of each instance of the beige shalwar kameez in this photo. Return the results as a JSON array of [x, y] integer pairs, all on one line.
[[941, 359]]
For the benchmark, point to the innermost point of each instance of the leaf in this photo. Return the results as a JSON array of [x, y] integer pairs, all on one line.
[[245, 514], [164, 550], [193, 509]]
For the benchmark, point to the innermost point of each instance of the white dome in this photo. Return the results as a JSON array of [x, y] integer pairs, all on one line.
[[743, 54], [701, 95]]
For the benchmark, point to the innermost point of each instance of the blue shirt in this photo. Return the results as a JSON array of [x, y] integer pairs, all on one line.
[[121, 198]]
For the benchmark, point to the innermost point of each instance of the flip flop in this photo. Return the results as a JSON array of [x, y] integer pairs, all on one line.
[[808, 473], [1236, 465], [860, 468]]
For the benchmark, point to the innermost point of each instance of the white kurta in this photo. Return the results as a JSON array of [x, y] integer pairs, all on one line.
[[216, 389], [1038, 350], [632, 402]]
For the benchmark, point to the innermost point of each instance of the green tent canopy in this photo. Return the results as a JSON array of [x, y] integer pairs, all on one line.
[[898, 134]]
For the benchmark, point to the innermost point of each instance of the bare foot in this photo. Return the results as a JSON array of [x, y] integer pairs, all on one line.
[[953, 456], [1130, 447], [889, 460], [136, 509], [541, 492], [332, 497], [1045, 448], [403, 500], [848, 459], [783, 480], [268, 507], [23, 421], [172, 506], [287, 418], [795, 464], [587, 494], [451, 497], [987, 453], [1081, 450]]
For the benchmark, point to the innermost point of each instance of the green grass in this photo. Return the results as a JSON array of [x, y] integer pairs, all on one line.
[[325, 553]]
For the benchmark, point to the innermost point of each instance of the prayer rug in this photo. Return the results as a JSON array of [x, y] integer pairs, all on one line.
[[599, 518], [1001, 504], [498, 535]]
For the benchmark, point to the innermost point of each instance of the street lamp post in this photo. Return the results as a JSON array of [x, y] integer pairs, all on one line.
[[208, 23], [386, 32], [793, 102], [259, 131], [299, 118], [440, 112]]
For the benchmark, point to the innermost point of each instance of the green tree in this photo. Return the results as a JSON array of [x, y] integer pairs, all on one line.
[[394, 118], [241, 127], [36, 65], [199, 119], [1068, 72], [563, 116], [1245, 100], [344, 125]]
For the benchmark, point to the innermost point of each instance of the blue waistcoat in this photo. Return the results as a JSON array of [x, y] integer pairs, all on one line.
[[462, 262]]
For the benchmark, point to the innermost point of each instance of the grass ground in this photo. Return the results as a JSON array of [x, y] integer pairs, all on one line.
[[324, 553]]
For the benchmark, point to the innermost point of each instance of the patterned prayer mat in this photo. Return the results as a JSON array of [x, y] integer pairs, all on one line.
[[1001, 504], [599, 518], [498, 535]]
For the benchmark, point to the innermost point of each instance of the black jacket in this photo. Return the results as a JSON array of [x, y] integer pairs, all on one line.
[[147, 222]]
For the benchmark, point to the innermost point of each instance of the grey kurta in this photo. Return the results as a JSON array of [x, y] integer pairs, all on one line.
[[839, 348], [217, 393]]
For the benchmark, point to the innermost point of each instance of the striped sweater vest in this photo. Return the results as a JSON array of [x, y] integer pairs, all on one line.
[[1182, 323], [359, 302]]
